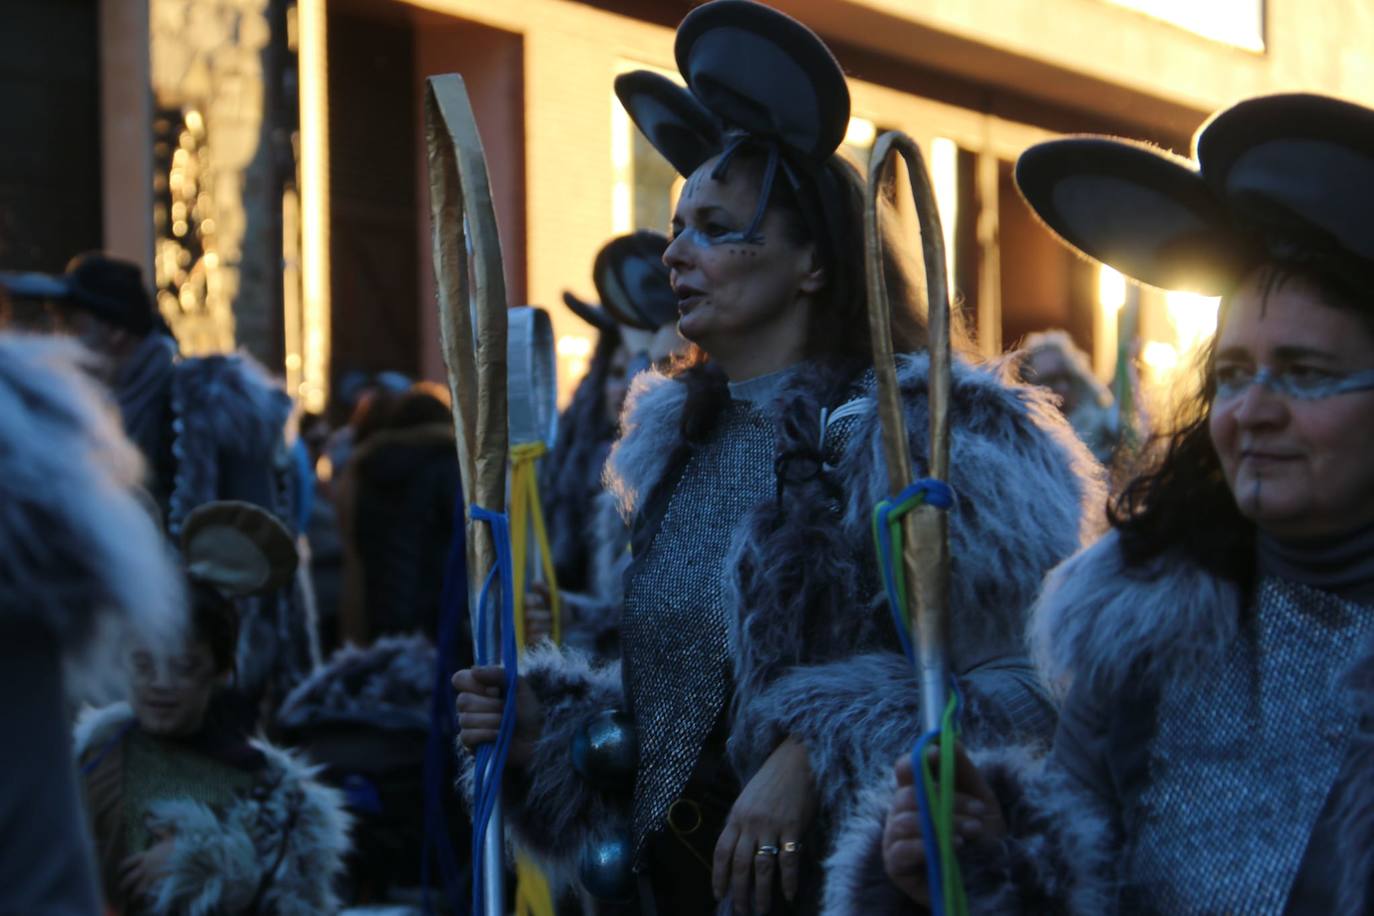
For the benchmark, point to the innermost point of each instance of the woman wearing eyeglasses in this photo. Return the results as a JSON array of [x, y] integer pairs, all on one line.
[[1215, 751]]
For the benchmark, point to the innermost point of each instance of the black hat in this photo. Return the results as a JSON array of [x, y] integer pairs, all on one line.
[[675, 123], [765, 73], [590, 312], [633, 282], [753, 75], [1283, 177], [111, 289]]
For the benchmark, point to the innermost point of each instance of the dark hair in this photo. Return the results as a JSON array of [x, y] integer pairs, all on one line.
[[839, 331], [1182, 501], [425, 404], [215, 622]]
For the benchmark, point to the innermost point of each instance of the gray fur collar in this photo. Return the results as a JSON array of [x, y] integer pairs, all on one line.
[[1100, 621], [650, 435], [1097, 619], [1027, 492]]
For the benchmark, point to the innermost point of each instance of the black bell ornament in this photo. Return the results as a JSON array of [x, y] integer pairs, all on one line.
[[605, 869], [605, 751]]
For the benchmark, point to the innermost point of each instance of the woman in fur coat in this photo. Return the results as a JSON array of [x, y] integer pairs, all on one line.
[[189, 816], [1216, 749], [762, 678]]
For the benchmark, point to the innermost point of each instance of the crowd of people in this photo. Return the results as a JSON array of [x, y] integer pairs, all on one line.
[[228, 630]]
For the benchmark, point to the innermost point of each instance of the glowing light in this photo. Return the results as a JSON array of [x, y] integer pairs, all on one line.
[[194, 122], [1194, 318], [1111, 289], [1234, 22], [944, 175], [314, 116], [571, 346], [1161, 357], [861, 133]]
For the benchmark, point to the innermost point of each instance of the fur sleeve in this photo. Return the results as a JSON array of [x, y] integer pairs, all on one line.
[[1058, 852], [550, 810], [1054, 859], [315, 841], [856, 883], [214, 866], [857, 715], [1027, 494]]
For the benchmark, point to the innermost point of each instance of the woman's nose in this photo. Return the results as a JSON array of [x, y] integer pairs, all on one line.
[[1259, 406], [675, 255]]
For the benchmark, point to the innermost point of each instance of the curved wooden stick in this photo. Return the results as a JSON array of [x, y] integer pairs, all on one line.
[[472, 325], [926, 530]]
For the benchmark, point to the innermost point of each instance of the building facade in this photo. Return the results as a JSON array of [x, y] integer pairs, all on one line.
[[265, 158]]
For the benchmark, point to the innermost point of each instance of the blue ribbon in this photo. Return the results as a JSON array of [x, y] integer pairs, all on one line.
[[491, 758], [928, 491], [438, 775]]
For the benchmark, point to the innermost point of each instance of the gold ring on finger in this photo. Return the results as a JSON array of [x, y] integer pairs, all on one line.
[[791, 847]]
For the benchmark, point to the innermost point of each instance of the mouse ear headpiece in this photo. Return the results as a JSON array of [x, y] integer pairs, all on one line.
[[1297, 170], [670, 118], [237, 548], [633, 282], [590, 312], [1143, 211], [756, 76], [1288, 178], [763, 73]]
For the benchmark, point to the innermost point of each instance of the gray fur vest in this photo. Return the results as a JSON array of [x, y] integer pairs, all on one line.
[[282, 845], [813, 656], [1122, 631]]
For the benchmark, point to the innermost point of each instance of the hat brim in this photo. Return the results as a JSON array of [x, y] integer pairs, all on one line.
[[633, 282], [764, 72], [594, 315], [34, 285], [1140, 210], [669, 117], [1298, 168], [238, 548]]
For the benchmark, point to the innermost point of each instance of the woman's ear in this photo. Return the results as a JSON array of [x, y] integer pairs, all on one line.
[[814, 277]]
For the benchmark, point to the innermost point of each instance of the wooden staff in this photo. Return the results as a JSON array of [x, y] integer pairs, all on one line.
[[472, 326], [925, 556]]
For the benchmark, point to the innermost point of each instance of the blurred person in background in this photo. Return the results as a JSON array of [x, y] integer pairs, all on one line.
[[1052, 360], [82, 564], [190, 816], [210, 428]]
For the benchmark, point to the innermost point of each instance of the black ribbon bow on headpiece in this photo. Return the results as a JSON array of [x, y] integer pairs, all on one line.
[[1283, 178], [755, 78]]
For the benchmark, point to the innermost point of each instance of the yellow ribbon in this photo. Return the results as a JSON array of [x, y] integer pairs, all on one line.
[[532, 894]]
